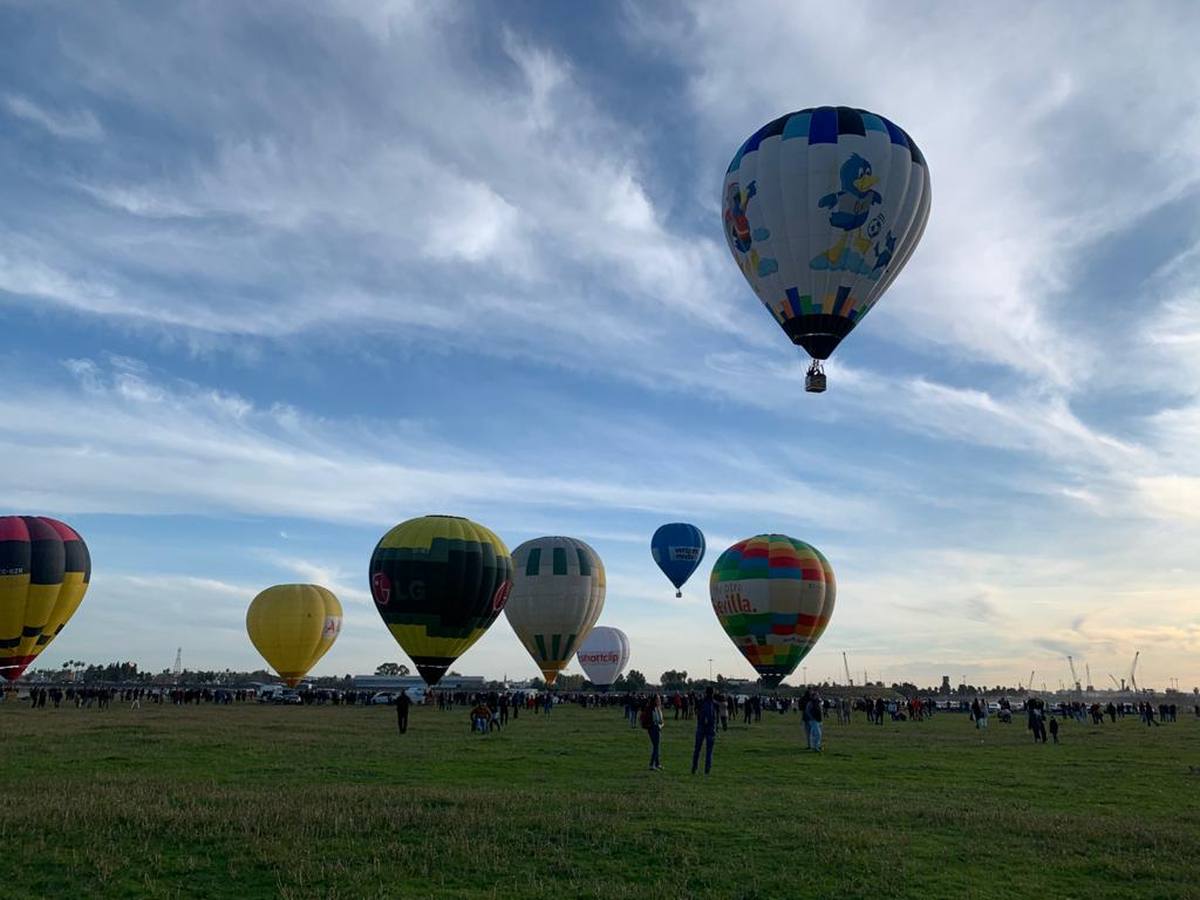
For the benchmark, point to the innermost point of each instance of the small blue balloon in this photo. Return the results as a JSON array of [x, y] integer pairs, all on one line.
[[678, 548]]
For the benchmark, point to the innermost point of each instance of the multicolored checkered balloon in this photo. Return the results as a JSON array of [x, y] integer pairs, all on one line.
[[774, 596]]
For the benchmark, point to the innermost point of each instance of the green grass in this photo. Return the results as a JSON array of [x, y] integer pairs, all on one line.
[[329, 802]]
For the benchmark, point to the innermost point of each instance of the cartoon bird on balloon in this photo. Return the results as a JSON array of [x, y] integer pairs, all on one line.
[[850, 211]]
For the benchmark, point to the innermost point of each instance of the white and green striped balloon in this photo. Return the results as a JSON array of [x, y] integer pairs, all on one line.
[[557, 596]]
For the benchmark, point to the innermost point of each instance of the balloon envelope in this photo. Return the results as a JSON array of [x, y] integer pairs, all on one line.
[[292, 626], [438, 583], [822, 209], [774, 596], [604, 655], [678, 548], [45, 570], [557, 596]]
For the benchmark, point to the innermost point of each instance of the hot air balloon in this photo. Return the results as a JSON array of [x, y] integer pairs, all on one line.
[[557, 596], [45, 569], [822, 208], [678, 549], [773, 596], [292, 625], [603, 655], [439, 582]]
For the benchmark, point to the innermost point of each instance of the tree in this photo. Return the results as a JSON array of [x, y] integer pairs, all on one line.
[[672, 680], [391, 668], [635, 680]]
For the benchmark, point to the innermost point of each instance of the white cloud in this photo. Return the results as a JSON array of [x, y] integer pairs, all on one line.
[[77, 126], [132, 444]]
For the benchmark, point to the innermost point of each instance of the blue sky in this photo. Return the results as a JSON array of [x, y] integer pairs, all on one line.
[[275, 278]]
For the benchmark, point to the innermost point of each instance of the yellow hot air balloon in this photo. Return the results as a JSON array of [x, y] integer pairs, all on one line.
[[439, 582], [44, 573], [292, 625]]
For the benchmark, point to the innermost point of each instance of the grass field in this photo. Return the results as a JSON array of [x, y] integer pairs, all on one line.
[[329, 802]]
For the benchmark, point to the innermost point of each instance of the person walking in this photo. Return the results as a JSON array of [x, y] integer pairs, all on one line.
[[402, 704], [652, 721], [706, 731], [1054, 728], [814, 713]]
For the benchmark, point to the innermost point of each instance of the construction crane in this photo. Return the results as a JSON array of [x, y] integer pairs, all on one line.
[[1029, 684], [1087, 668], [849, 680], [1074, 677], [1116, 683], [1133, 671]]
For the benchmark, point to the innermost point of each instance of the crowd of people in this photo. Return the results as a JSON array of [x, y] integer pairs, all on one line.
[[40, 697], [711, 712], [1042, 720]]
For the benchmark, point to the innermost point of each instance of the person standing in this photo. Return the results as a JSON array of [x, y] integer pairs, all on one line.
[[402, 704], [1054, 728], [815, 714], [706, 731], [652, 721], [806, 718], [1035, 720]]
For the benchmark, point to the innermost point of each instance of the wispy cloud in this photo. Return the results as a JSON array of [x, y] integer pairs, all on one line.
[[79, 125]]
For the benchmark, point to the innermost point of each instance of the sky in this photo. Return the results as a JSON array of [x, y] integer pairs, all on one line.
[[275, 277]]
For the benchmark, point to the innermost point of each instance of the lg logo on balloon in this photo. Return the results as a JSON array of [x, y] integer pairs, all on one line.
[[381, 588]]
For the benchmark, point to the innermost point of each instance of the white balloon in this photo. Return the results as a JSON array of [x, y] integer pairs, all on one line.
[[604, 655]]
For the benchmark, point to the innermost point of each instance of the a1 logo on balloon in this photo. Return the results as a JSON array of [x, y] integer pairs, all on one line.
[[501, 596]]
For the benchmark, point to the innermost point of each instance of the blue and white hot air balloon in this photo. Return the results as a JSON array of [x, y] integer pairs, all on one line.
[[678, 549], [822, 208]]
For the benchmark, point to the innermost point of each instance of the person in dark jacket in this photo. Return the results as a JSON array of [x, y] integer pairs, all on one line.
[[652, 721], [815, 717], [706, 730], [402, 704]]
